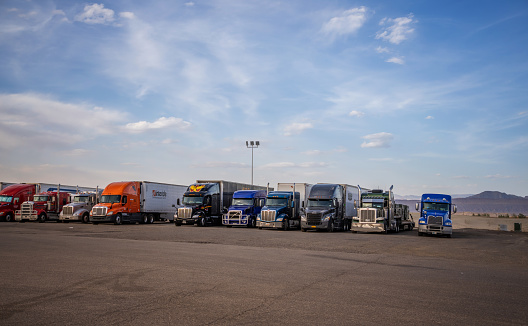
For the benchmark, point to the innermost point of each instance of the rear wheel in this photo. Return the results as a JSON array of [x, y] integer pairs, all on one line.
[[144, 219], [151, 218]]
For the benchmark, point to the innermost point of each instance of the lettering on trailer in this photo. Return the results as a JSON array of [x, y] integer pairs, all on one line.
[[196, 188], [158, 194]]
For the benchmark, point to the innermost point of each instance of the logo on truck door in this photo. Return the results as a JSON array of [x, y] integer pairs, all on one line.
[[196, 188]]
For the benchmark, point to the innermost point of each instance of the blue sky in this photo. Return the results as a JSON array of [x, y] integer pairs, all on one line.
[[426, 96]]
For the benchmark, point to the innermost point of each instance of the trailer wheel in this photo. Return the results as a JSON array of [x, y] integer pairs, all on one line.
[[151, 218], [118, 220], [85, 218], [9, 217], [42, 218]]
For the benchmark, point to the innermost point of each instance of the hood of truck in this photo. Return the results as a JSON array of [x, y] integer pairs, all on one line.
[[436, 213], [278, 209], [322, 211], [242, 208], [76, 205]]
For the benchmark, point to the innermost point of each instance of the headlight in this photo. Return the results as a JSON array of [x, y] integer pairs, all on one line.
[[303, 218], [175, 215], [110, 213], [327, 217], [422, 222], [447, 223]]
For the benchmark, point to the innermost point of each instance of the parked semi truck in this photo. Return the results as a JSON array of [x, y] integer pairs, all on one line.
[[12, 197], [45, 206], [282, 211], [245, 207], [330, 207], [435, 214], [79, 208], [302, 188], [137, 201], [206, 201], [377, 212]]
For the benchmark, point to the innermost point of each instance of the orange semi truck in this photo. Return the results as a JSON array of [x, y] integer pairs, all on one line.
[[137, 201]]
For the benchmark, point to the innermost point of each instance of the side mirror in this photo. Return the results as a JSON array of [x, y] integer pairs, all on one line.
[[417, 206], [178, 202]]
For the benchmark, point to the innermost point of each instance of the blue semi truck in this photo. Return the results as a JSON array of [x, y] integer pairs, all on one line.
[[245, 207], [282, 211], [435, 214]]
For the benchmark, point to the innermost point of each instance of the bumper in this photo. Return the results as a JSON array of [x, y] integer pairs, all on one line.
[[69, 217], [26, 217], [435, 229], [368, 227], [188, 221], [270, 225], [243, 221], [322, 226], [102, 219]]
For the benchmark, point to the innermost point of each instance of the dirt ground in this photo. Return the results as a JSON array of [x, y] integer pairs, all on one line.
[[464, 221]]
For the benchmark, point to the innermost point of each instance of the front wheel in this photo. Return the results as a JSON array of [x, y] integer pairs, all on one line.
[[285, 224], [177, 223], [42, 218], [9, 217], [118, 220], [85, 218], [330, 226]]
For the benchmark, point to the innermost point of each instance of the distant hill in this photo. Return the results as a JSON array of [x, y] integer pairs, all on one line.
[[485, 202], [494, 195]]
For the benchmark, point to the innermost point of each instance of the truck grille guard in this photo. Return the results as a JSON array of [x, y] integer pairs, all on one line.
[[367, 215], [268, 215], [233, 217], [435, 220]]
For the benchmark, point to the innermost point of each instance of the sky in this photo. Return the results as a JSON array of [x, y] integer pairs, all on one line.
[[428, 96]]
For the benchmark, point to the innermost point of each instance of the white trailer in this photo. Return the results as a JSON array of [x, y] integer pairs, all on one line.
[[302, 188], [161, 199]]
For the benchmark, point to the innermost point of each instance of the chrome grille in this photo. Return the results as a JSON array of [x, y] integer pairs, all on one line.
[[27, 208], [184, 212], [313, 218], [67, 210], [99, 211], [268, 215], [434, 220], [367, 215]]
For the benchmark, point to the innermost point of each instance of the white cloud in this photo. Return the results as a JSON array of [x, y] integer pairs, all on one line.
[[127, 15], [379, 140], [221, 165], [96, 14], [296, 128], [189, 4], [161, 123], [498, 176], [429, 117], [42, 121], [313, 152], [355, 113], [295, 165], [348, 22], [398, 31], [396, 60], [380, 49]]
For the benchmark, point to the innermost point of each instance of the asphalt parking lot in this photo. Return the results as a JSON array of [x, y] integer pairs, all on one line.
[[160, 274]]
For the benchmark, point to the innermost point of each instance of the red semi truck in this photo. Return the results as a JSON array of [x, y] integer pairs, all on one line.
[[12, 197], [44, 206]]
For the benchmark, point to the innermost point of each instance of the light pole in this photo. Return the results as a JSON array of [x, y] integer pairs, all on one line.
[[252, 144]]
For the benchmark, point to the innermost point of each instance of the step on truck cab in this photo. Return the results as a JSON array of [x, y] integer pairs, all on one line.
[[245, 207], [12, 197], [330, 207], [79, 208], [435, 214], [205, 201], [282, 211], [137, 201]]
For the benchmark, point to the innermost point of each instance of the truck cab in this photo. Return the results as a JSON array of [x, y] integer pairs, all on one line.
[[12, 197], [119, 202], [201, 205], [79, 208], [435, 214], [245, 207], [44, 206], [324, 210], [376, 212], [282, 211]]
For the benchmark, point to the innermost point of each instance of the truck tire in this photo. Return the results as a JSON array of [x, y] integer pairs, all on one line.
[[201, 221], [9, 217], [42, 218], [303, 230], [144, 219], [330, 226], [85, 218], [420, 234], [150, 218], [118, 220], [177, 223]]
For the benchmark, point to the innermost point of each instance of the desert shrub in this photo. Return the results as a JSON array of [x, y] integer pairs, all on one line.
[[521, 216]]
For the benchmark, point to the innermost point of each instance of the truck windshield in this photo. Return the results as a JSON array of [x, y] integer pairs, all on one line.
[[436, 207], [276, 201], [110, 199], [192, 200], [40, 198], [372, 205], [81, 199], [242, 202], [5, 199], [320, 203]]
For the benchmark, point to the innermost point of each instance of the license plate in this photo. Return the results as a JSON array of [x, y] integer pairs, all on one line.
[[268, 224], [184, 222]]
